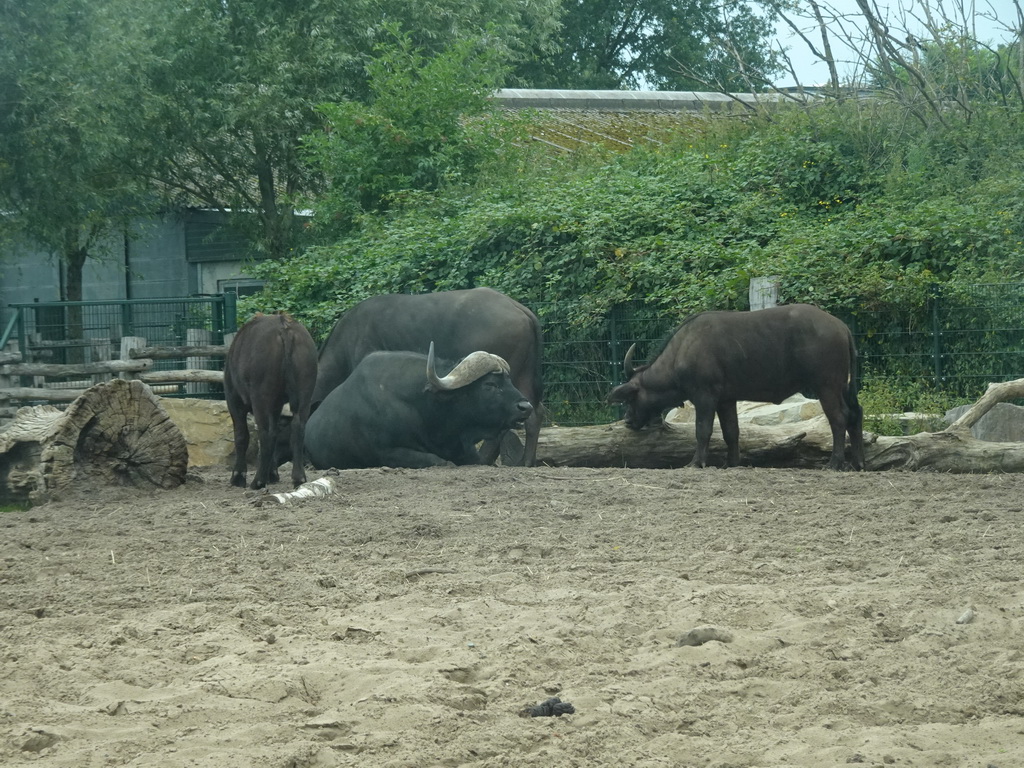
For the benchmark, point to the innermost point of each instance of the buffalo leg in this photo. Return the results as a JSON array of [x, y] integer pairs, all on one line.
[[407, 457], [532, 435], [241, 430], [266, 434], [855, 427], [298, 436], [704, 424], [832, 405], [729, 422], [489, 451]]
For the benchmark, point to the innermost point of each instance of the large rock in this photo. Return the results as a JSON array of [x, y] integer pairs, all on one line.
[[206, 425], [791, 410], [1003, 424]]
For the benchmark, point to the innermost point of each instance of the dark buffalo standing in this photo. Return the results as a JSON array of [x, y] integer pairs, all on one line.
[[717, 358], [395, 411], [458, 323], [271, 361]]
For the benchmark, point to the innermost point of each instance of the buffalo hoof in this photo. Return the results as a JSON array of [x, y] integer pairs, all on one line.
[[238, 479]]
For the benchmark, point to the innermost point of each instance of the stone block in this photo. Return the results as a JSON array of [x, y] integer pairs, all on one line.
[[1003, 424]]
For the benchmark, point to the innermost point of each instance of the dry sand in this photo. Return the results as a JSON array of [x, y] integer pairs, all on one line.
[[408, 620]]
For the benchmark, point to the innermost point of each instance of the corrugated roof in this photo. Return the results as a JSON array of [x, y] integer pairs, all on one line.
[[627, 101], [569, 120]]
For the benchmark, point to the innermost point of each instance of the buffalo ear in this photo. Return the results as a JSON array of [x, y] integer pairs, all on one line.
[[623, 393]]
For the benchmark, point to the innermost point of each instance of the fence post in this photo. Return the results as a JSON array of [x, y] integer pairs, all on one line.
[[763, 292], [22, 335], [11, 349], [936, 336], [217, 319], [197, 337], [230, 311], [99, 352], [614, 347], [126, 319], [128, 343]]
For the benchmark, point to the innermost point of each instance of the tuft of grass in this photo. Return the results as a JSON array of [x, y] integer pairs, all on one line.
[[888, 404]]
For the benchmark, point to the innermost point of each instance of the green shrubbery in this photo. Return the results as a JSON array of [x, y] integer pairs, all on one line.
[[852, 205]]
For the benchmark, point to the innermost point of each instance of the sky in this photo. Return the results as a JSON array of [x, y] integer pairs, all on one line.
[[811, 71]]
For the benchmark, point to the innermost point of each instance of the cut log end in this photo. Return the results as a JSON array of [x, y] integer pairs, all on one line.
[[115, 433]]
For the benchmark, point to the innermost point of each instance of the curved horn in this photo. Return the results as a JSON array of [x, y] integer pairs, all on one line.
[[469, 369], [627, 364]]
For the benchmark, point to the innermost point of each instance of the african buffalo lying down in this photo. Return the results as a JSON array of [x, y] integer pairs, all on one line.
[[395, 411], [717, 358], [457, 323], [271, 361]]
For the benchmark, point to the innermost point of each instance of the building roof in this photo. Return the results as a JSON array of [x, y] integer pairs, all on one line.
[[627, 101], [570, 120]]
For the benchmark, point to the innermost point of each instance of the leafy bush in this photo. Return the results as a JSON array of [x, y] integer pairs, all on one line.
[[888, 402], [853, 207]]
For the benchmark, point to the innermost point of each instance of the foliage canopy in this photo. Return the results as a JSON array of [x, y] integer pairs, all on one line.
[[656, 44], [853, 205]]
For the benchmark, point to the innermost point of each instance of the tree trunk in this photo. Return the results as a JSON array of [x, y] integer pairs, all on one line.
[[673, 445], [115, 433], [74, 264]]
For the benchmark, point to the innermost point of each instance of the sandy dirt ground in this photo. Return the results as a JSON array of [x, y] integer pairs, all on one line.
[[873, 618]]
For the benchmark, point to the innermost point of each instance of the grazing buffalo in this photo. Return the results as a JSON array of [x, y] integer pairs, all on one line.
[[271, 362], [458, 323], [395, 411], [717, 358]]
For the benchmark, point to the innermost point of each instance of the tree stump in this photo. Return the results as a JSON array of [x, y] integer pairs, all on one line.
[[115, 433]]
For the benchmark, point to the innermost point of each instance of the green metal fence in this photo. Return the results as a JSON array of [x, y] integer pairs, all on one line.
[[71, 332], [962, 339], [958, 342]]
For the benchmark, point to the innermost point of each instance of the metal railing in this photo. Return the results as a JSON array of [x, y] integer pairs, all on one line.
[[71, 333]]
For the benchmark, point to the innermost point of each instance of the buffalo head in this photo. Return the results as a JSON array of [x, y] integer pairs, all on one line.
[[644, 403]]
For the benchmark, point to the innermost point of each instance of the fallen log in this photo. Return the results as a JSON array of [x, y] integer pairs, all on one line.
[[187, 375], [115, 433], [673, 445], [805, 444], [800, 445], [79, 369], [41, 393], [173, 353], [998, 392]]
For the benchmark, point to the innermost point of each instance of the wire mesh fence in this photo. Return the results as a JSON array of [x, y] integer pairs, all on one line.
[[958, 342]]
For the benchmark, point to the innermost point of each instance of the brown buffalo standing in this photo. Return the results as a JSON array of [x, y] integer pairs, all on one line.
[[272, 361], [717, 358]]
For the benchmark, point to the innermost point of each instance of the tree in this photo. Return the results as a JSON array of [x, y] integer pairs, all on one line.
[[60, 187], [660, 44], [929, 58], [419, 130], [227, 91]]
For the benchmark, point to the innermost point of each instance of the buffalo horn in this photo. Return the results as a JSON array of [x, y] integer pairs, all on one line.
[[472, 367], [627, 364]]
